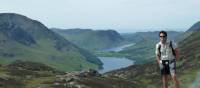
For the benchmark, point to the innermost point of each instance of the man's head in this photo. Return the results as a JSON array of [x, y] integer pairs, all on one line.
[[163, 36]]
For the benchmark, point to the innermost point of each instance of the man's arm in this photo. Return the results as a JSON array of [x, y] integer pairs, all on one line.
[[157, 52], [158, 59]]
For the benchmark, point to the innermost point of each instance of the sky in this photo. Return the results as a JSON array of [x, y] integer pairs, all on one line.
[[120, 15]]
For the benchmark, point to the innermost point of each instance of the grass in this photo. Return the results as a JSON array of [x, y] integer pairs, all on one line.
[[40, 82], [45, 53], [16, 78]]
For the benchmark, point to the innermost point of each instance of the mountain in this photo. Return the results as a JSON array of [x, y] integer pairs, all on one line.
[[22, 38], [194, 27], [91, 39]]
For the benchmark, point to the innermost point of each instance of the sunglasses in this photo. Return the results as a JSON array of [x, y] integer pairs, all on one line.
[[162, 36]]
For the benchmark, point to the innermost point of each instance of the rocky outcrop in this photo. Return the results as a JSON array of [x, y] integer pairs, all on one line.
[[72, 79]]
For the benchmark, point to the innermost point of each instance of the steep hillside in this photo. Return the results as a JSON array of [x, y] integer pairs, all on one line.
[[92, 39], [194, 27], [22, 38]]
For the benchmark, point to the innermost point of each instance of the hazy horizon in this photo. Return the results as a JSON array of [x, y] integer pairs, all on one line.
[[120, 15], [133, 31]]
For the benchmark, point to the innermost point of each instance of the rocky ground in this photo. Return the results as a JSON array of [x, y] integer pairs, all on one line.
[[24, 74]]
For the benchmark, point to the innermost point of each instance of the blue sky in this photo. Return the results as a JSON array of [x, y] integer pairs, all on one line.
[[121, 15]]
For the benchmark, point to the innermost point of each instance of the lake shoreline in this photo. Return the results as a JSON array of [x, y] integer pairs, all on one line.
[[113, 63]]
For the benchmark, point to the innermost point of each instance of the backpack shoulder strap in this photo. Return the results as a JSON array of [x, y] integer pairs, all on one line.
[[159, 52]]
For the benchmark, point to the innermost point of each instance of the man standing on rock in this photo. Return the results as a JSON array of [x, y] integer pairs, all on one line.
[[166, 54]]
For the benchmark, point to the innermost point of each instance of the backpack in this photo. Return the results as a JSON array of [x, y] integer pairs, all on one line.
[[170, 45]]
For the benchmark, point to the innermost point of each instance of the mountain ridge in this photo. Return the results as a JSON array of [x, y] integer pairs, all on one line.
[[194, 27], [99, 39]]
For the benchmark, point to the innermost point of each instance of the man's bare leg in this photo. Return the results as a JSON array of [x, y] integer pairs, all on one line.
[[175, 81], [165, 81]]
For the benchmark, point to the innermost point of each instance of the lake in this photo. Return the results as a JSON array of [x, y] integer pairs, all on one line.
[[113, 63]]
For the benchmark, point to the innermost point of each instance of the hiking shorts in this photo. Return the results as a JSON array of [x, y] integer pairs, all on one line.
[[168, 67]]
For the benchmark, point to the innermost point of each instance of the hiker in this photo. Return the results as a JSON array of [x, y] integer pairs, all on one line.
[[166, 54]]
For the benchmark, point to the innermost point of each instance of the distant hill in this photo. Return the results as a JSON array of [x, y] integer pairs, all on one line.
[[91, 39], [152, 35], [22, 38]]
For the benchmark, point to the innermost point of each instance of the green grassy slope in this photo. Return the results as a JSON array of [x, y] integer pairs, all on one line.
[[44, 52], [26, 39]]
